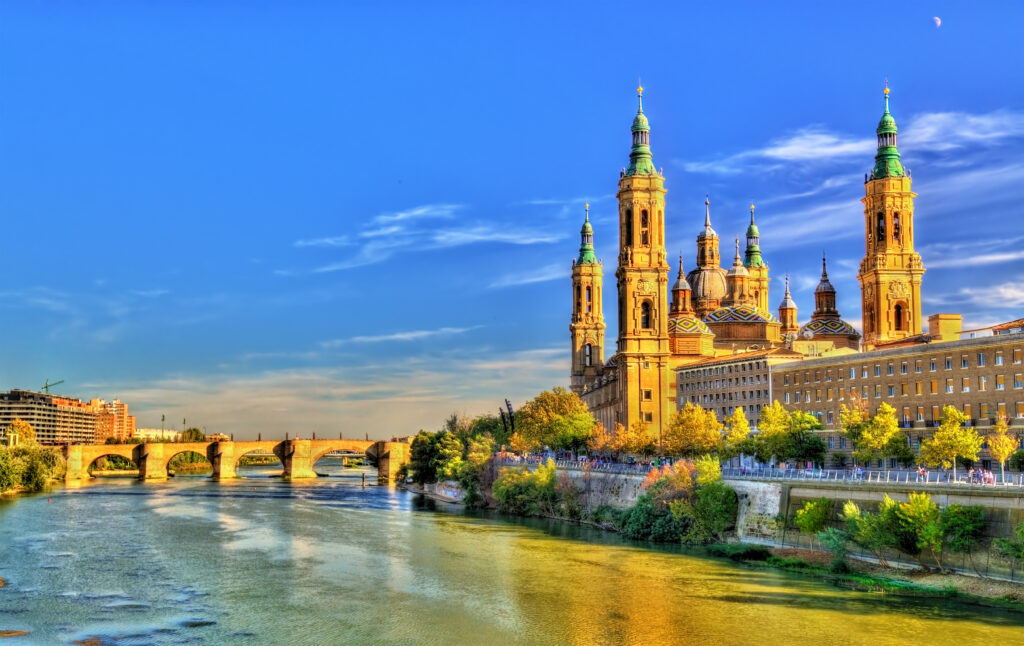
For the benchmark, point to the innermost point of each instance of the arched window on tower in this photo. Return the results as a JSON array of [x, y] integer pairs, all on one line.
[[629, 228], [880, 236], [588, 355], [589, 301], [898, 317], [579, 302], [645, 315], [644, 229], [896, 227]]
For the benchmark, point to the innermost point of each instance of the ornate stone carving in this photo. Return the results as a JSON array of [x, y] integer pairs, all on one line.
[[644, 286], [898, 289]]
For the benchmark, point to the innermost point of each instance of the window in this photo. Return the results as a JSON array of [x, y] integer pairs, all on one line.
[[888, 370], [965, 386], [949, 385], [645, 229], [842, 442], [936, 413], [878, 391], [648, 417], [647, 395], [934, 386], [967, 411], [1020, 409], [629, 227], [864, 372], [878, 370], [903, 389], [853, 373], [963, 361], [1000, 382], [1018, 380], [917, 388], [892, 391], [1016, 356], [1001, 409], [645, 315], [829, 418], [949, 363], [917, 365], [981, 359], [785, 398], [897, 317], [588, 356], [831, 442], [920, 418], [982, 383], [880, 226], [817, 395], [999, 358], [932, 366], [589, 301], [984, 411], [903, 368]]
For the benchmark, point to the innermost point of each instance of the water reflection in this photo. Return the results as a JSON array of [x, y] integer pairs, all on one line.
[[262, 560]]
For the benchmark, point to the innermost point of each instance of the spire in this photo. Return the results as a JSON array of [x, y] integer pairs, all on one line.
[[752, 257], [887, 159], [681, 282], [824, 296], [708, 231], [787, 300], [640, 161], [586, 241]]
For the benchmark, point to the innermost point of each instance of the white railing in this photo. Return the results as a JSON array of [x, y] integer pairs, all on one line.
[[890, 476]]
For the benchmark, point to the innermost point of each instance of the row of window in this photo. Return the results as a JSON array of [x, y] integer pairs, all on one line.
[[908, 416], [721, 397], [982, 382], [749, 366], [730, 382], [980, 361]]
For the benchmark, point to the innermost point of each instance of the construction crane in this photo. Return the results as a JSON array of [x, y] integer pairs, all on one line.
[[47, 386]]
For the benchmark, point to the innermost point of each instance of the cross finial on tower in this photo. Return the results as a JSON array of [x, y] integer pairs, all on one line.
[[587, 208]]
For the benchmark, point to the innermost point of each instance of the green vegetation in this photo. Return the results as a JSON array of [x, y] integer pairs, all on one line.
[[951, 441], [27, 466], [814, 515], [1012, 548], [527, 493], [557, 419], [786, 435]]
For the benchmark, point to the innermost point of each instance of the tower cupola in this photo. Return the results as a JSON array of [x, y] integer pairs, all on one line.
[[887, 159], [752, 257], [824, 296], [640, 160], [787, 312], [586, 241]]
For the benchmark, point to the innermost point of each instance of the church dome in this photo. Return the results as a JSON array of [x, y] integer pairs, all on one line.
[[707, 283], [740, 314], [824, 327], [688, 325]]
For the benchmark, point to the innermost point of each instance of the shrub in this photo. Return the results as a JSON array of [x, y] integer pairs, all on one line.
[[710, 515], [527, 493], [788, 563], [739, 551], [811, 518]]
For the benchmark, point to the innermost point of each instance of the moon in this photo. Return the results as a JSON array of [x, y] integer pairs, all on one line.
[[937, 21]]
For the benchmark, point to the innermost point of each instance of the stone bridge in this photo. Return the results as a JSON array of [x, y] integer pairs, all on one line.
[[297, 456]]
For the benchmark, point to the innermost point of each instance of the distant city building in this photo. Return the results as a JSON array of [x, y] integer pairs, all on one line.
[[156, 435], [113, 420], [55, 419]]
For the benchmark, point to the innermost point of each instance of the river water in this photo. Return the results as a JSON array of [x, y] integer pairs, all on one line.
[[262, 561]]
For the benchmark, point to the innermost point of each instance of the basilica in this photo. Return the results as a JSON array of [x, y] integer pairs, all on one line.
[[711, 311]]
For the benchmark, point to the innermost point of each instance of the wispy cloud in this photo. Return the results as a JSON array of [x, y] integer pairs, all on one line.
[[386, 234], [930, 131], [409, 335], [149, 293], [542, 274], [983, 297]]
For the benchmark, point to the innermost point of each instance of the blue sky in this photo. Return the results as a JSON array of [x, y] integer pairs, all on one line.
[[358, 217]]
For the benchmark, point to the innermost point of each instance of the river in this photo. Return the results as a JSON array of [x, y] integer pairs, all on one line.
[[262, 561]]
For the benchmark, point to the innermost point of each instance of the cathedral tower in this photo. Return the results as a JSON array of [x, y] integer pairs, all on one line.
[[642, 357], [890, 273], [587, 326], [708, 280], [787, 313], [738, 282], [756, 266]]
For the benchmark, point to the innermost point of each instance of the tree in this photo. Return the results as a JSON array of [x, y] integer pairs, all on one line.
[[772, 432], [812, 517], [737, 430], [447, 458], [639, 440], [600, 440], [951, 441], [870, 531], [878, 432], [1012, 548], [921, 518], [709, 470], [1000, 445], [557, 418], [852, 421], [23, 431], [801, 442], [193, 435], [692, 431], [962, 528], [490, 425], [1017, 460], [421, 458], [709, 515]]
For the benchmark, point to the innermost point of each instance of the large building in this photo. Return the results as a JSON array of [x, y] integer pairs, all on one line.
[[113, 420], [55, 419], [713, 311]]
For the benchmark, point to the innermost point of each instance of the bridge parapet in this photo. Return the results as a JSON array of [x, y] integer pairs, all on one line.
[[297, 456]]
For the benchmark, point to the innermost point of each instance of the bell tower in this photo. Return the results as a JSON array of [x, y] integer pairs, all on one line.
[[643, 345], [890, 273], [587, 326], [756, 266]]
